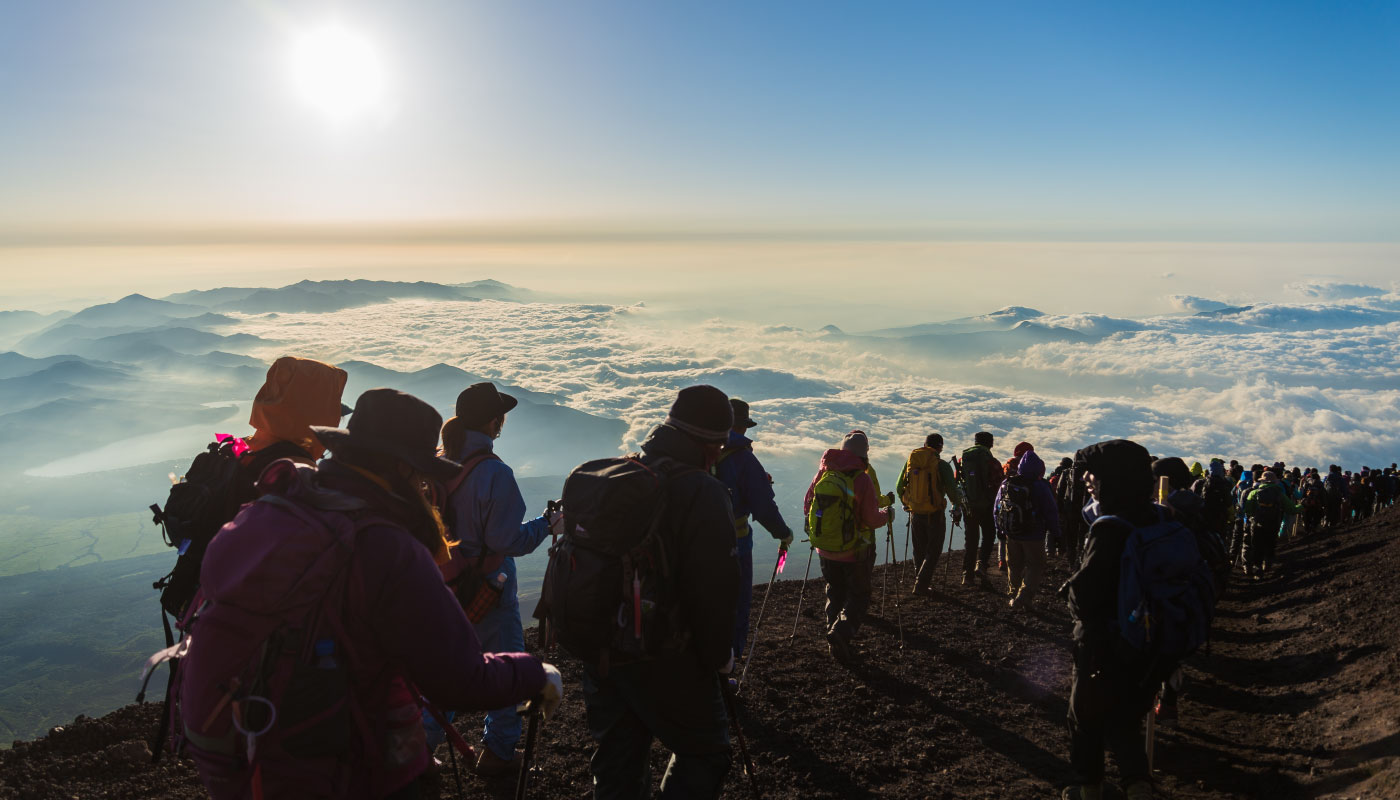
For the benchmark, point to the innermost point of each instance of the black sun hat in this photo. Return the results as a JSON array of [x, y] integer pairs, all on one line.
[[394, 423], [482, 402], [741, 413]]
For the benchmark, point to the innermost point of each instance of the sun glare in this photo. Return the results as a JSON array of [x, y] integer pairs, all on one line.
[[338, 71]]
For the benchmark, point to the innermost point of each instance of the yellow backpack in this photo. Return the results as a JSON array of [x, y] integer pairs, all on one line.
[[922, 492]]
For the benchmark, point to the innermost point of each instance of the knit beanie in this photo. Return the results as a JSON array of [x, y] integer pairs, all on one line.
[[702, 412], [856, 442], [982, 438]]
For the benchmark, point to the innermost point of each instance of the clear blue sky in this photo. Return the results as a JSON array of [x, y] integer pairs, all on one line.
[[976, 120]]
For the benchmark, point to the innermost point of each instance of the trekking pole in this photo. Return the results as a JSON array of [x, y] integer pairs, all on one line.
[[949, 557], [1151, 735], [456, 773], [885, 576], [532, 734], [795, 617], [731, 706], [753, 641], [898, 614], [908, 531]]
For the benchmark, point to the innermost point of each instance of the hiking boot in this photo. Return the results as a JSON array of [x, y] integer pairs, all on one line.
[[839, 647], [1083, 792], [923, 591], [985, 582], [967, 579], [490, 765], [1139, 790]]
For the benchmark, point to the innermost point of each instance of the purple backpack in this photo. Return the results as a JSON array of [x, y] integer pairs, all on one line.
[[262, 698]]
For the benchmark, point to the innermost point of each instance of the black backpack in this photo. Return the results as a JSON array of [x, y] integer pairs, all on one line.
[[1215, 496], [209, 494], [1013, 511], [609, 594]]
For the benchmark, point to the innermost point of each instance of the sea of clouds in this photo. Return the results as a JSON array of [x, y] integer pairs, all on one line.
[[1313, 382]]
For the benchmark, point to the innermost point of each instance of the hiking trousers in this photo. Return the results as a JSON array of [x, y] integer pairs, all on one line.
[[848, 590], [981, 536], [1259, 548], [927, 531], [1106, 710], [1025, 565], [637, 703]]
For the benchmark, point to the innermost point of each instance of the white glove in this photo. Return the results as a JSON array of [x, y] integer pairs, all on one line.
[[553, 693], [728, 668]]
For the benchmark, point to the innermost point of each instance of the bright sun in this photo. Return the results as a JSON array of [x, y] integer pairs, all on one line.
[[338, 71]]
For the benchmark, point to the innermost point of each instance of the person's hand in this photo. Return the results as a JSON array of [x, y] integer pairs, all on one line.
[[728, 668], [957, 516], [889, 498], [785, 542], [553, 693], [555, 518]]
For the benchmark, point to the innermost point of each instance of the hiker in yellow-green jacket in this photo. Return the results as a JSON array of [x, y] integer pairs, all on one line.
[[926, 485]]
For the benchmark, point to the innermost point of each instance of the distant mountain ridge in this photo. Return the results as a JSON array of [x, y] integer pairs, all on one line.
[[336, 295], [999, 320]]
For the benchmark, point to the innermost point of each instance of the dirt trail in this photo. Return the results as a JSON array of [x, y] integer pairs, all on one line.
[[1299, 697]]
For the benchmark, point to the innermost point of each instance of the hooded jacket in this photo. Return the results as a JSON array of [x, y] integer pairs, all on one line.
[[698, 531], [1045, 516], [868, 513]]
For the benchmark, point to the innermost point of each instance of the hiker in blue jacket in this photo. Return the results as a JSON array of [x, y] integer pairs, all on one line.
[[751, 494], [484, 514], [1025, 547]]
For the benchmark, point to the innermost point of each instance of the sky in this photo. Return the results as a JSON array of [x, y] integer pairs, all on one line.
[[159, 121]]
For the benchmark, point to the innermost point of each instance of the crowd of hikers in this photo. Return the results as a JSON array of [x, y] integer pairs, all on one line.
[[342, 593]]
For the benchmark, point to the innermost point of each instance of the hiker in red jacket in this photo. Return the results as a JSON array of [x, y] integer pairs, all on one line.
[[324, 618]]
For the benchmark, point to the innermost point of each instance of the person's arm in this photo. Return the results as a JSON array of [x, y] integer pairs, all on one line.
[[901, 486], [867, 505], [709, 570], [948, 480], [759, 492], [499, 509], [1093, 590], [420, 625]]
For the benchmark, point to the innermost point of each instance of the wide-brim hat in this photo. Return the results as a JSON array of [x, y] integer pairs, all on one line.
[[482, 402], [741, 413], [393, 423]]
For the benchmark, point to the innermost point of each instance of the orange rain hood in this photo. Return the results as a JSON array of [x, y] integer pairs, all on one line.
[[298, 393]]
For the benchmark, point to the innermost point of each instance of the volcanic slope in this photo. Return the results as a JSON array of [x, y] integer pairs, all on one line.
[[1299, 697]]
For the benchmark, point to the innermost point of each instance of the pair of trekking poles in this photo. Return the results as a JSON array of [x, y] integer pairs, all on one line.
[[534, 711]]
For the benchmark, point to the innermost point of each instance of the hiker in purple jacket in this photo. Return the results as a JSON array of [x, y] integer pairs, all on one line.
[[1025, 545], [359, 532]]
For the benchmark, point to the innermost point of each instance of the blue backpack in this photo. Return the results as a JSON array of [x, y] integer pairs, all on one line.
[[1166, 590]]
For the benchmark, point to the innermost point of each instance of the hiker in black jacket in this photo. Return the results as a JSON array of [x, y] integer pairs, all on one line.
[[1109, 696], [676, 698]]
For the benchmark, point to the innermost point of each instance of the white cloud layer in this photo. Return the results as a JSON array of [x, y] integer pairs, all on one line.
[[1309, 383]]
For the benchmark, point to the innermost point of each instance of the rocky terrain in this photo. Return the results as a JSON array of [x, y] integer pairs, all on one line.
[[1298, 697]]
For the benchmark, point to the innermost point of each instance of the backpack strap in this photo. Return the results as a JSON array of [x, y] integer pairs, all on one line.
[[469, 464]]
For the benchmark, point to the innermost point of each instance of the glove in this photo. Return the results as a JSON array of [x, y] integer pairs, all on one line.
[[553, 693], [728, 668], [889, 498], [556, 521], [957, 516], [785, 541]]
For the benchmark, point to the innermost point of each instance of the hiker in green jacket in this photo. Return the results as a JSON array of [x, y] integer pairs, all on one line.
[[1266, 506], [926, 486]]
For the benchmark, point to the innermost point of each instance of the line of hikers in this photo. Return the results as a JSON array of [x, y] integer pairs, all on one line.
[[334, 611]]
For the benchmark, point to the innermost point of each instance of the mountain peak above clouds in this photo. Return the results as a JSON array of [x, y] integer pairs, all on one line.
[[1000, 320], [335, 295]]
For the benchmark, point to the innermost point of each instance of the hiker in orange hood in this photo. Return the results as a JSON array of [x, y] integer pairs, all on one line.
[[298, 393]]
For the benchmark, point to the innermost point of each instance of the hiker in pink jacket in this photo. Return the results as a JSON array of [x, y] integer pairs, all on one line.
[[849, 571], [325, 618]]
